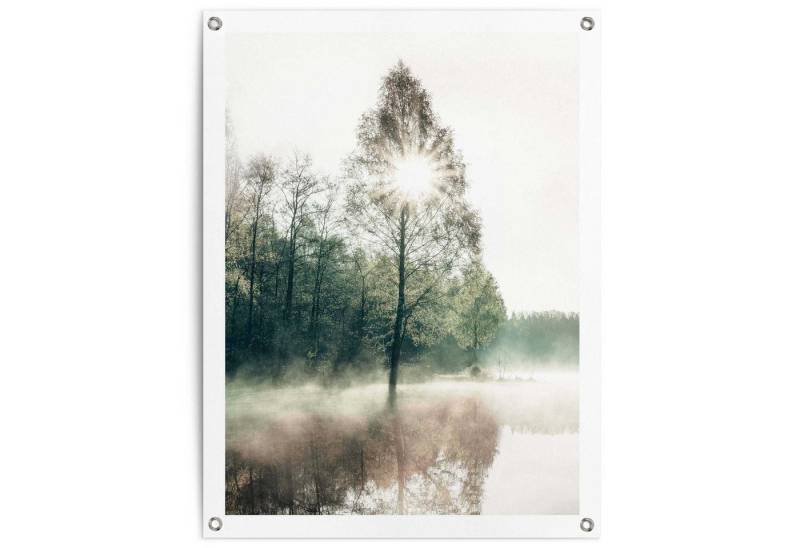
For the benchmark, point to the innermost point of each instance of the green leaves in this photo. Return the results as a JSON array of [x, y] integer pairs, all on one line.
[[478, 308]]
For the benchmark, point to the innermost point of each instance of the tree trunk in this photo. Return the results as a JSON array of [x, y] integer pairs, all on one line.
[[252, 273], [315, 299], [397, 335], [475, 342], [231, 322], [287, 309], [362, 311]]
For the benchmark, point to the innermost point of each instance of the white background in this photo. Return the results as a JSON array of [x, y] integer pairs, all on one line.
[[99, 297]]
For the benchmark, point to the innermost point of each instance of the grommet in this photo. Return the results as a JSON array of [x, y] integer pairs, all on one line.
[[587, 23], [215, 23], [587, 524], [215, 524]]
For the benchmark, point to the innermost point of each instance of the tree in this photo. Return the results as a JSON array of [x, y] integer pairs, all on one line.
[[298, 186], [407, 198], [479, 309], [259, 179], [233, 170], [325, 242], [233, 242]]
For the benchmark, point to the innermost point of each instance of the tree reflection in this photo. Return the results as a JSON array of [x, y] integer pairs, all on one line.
[[421, 458]]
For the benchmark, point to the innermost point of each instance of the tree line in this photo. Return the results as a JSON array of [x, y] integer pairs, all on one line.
[[353, 273]]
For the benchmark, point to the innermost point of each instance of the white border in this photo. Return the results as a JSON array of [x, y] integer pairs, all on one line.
[[516, 526]]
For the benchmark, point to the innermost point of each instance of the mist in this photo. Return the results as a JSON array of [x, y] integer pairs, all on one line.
[[449, 446], [373, 362]]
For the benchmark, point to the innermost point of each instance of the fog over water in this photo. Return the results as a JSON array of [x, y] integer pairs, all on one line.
[[452, 446], [401, 273]]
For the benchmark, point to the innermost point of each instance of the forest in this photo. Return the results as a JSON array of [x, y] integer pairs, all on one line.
[[339, 285], [372, 272]]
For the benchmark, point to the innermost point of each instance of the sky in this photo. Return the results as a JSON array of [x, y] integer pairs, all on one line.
[[511, 100]]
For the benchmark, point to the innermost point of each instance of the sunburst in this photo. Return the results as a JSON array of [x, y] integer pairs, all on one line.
[[414, 175]]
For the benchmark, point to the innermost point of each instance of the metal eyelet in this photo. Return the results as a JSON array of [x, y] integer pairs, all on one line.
[[215, 524]]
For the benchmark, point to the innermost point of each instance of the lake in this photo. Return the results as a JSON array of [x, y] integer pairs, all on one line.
[[450, 446]]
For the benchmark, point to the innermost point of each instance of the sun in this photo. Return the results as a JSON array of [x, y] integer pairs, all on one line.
[[414, 175]]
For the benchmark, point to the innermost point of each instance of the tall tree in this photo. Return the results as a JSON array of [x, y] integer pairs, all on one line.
[[233, 219], [324, 242], [479, 309], [259, 179], [233, 169], [407, 198], [298, 186], [362, 269]]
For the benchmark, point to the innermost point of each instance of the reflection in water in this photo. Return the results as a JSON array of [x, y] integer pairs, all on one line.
[[533, 474], [429, 458], [449, 448]]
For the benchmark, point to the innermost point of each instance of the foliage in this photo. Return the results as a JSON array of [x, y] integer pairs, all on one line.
[[331, 277], [539, 337], [478, 307], [426, 234]]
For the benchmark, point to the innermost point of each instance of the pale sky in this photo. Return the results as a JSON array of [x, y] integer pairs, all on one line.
[[511, 100]]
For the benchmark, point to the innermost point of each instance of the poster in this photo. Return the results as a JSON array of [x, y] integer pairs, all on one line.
[[401, 274]]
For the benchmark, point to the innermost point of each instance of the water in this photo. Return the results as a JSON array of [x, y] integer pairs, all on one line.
[[533, 474], [452, 446]]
